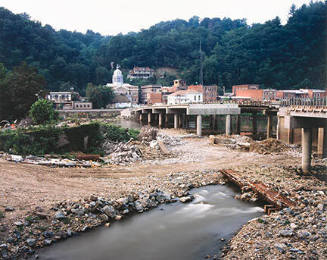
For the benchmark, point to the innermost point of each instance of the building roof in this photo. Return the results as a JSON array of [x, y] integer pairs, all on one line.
[[184, 92]]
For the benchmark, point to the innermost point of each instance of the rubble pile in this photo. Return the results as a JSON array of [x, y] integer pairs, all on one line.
[[121, 153], [51, 162], [235, 142], [268, 146], [299, 232], [147, 134], [169, 140]]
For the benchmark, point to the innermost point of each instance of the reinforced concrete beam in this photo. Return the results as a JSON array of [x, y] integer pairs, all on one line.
[[291, 122], [199, 125], [213, 109]]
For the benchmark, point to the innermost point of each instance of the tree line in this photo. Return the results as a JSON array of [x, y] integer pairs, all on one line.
[[271, 54]]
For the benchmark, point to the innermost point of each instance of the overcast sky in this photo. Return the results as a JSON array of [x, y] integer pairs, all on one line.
[[110, 17]]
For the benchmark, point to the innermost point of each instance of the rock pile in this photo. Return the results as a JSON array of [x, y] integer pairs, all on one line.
[[147, 134], [268, 146], [292, 233], [122, 153]]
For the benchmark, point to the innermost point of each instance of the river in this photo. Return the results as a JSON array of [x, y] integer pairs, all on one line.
[[172, 231]]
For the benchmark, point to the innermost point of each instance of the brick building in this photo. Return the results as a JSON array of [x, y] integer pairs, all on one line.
[[244, 87], [210, 93]]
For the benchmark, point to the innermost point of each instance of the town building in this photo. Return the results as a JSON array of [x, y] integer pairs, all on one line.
[[185, 97], [120, 88], [301, 93], [60, 97], [140, 73], [244, 87], [210, 93], [154, 98], [147, 89], [80, 105]]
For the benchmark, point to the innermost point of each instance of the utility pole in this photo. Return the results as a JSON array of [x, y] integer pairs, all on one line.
[[201, 64]]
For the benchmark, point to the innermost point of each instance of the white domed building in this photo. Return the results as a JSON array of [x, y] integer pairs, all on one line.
[[123, 89]]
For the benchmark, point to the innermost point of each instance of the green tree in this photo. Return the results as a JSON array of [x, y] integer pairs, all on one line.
[[42, 112], [100, 96], [19, 90]]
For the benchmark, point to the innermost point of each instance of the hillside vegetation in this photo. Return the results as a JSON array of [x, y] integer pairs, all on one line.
[[274, 55]]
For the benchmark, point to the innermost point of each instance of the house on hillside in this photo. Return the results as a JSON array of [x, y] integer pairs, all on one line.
[[140, 73]]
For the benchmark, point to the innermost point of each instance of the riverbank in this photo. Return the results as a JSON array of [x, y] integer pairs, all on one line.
[[43, 192]]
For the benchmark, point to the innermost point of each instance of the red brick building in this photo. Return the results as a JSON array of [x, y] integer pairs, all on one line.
[[244, 87], [210, 93]]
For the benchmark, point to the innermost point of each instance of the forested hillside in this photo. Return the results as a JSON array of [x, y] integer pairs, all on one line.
[[270, 54]]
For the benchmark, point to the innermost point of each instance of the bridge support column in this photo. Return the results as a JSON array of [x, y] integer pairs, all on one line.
[[160, 120], [176, 121], [141, 118], [269, 126], [306, 149], [290, 136], [180, 121], [322, 142], [214, 122], [254, 123], [228, 125], [199, 125], [149, 118], [166, 120], [238, 124]]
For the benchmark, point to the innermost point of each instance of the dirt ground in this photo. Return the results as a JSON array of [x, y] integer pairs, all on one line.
[[25, 187]]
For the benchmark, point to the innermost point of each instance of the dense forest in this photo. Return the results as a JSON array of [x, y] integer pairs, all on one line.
[[271, 54]]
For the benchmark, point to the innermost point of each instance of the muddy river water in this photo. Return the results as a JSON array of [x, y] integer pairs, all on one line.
[[172, 231]]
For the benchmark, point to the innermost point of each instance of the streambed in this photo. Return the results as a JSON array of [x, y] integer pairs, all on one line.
[[171, 231]]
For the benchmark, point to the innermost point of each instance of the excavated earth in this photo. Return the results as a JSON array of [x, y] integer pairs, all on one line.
[[29, 190]]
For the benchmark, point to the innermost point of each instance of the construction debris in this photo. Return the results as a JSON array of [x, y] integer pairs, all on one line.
[[268, 146]]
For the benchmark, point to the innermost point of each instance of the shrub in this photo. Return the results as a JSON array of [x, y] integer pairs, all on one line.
[[42, 112]]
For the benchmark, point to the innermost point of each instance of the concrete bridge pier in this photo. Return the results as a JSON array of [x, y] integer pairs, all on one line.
[[228, 125], [254, 123], [180, 121], [322, 142], [199, 125], [214, 122], [160, 120], [306, 149], [269, 126], [176, 119], [141, 118], [166, 120], [238, 124], [149, 118]]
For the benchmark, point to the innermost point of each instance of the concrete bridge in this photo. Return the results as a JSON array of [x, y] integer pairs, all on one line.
[[307, 118]]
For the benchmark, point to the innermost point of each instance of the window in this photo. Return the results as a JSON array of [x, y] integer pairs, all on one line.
[[199, 97], [194, 98]]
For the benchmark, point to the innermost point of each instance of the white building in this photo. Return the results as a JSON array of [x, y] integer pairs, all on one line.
[[185, 97], [60, 97], [120, 88]]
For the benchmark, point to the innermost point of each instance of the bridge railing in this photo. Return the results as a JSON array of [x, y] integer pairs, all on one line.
[[317, 102]]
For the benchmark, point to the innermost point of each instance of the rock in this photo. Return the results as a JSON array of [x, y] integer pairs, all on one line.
[[280, 247], [118, 217], [286, 233], [19, 223], [293, 226], [47, 242], [138, 206], [93, 198], [47, 234], [107, 225], [103, 217], [186, 199], [79, 212], [31, 242], [320, 206], [303, 234], [3, 247], [109, 211], [60, 215], [9, 208]]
